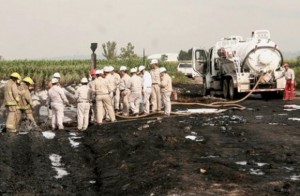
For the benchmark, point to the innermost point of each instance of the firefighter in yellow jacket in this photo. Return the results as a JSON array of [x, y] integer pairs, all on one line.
[[11, 99], [25, 104]]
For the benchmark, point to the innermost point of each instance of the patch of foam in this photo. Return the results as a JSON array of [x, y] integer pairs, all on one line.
[[202, 111], [261, 164], [282, 114], [23, 132], [257, 172], [55, 160], [48, 134], [289, 168], [273, 123], [73, 143], [296, 107], [288, 110], [295, 119], [56, 164], [67, 119], [241, 162], [92, 181], [295, 178], [259, 117], [209, 157], [72, 139], [195, 138]]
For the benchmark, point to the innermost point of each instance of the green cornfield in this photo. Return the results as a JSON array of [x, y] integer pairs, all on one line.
[[71, 71]]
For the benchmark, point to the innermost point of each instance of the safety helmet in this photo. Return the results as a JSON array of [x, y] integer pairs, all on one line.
[[133, 70], [15, 75], [141, 68], [56, 75], [28, 80], [54, 80], [162, 69], [93, 72], [106, 69], [99, 71], [111, 68], [123, 68], [84, 80], [154, 61]]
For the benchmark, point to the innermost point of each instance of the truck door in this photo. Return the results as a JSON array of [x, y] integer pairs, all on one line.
[[199, 61]]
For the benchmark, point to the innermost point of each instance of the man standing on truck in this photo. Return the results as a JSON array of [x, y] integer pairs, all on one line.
[[289, 75]]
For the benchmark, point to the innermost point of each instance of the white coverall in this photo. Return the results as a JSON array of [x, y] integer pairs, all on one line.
[[155, 93], [136, 85], [57, 99], [125, 92], [147, 85], [166, 90], [83, 97]]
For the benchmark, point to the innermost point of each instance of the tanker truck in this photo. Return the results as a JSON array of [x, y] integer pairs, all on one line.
[[233, 66]]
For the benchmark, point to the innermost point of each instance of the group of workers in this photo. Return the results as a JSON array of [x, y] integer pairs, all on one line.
[[18, 102], [131, 92], [104, 94]]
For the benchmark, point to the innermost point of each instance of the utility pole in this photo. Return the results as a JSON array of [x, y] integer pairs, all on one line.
[[144, 58], [94, 56]]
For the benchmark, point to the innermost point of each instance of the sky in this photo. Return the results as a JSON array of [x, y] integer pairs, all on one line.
[[46, 29]]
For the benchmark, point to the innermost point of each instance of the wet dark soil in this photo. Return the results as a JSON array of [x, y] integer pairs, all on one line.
[[255, 151]]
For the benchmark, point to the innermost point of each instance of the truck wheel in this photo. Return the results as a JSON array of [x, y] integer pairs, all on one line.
[[232, 90], [204, 89], [225, 89]]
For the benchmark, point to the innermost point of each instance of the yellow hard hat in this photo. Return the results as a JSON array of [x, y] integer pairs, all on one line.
[[28, 80], [15, 75]]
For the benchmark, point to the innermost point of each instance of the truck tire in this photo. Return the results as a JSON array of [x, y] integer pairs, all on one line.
[[204, 89], [231, 90], [225, 88]]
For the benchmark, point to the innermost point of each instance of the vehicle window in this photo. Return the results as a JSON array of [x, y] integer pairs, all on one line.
[[185, 65]]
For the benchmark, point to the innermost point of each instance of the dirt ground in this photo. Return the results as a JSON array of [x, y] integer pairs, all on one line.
[[255, 151]]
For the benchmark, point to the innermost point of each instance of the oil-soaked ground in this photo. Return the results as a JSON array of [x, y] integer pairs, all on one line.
[[251, 152]]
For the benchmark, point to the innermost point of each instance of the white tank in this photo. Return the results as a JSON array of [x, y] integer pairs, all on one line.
[[258, 53]]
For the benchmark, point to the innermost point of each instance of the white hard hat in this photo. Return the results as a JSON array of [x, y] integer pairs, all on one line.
[[99, 71], [111, 68], [123, 68], [133, 70], [106, 69], [54, 80], [84, 80], [154, 61], [56, 75], [162, 69], [141, 68]]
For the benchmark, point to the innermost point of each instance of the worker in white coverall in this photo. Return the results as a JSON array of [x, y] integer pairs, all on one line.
[[166, 90], [147, 85], [83, 97], [124, 90], [135, 87], [101, 90], [57, 99], [116, 97], [155, 93], [57, 76]]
